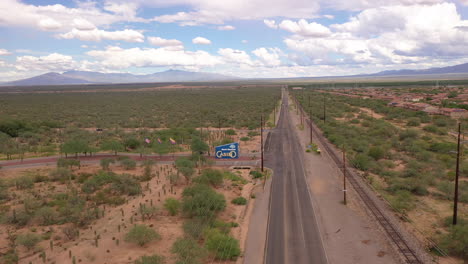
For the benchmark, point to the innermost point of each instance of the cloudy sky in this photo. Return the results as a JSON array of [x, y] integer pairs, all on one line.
[[246, 38]]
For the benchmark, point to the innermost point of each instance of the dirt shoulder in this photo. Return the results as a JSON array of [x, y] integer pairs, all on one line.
[[350, 235]]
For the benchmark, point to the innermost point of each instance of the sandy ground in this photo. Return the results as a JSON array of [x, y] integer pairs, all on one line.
[[350, 236], [107, 228]]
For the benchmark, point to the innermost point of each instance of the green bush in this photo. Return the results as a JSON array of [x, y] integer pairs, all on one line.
[[154, 259], [201, 201], [141, 235], [256, 174], [61, 174], [223, 246], [46, 215], [172, 206], [409, 134], [126, 184], [210, 176], [239, 201], [361, 162], [231, 132], [28, 240], [244, 138], [24, 182], [376, 153], [253, 133], [402, 201], [456, 241], [10, 257], [188, 251], [106, 162], [128, 164], [414, 122], [195, 228]]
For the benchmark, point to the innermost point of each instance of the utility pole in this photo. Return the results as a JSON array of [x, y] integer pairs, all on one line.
[[344, 176], [324, 109], [457, 172], [309, 101], [261, 139], [310, 124]]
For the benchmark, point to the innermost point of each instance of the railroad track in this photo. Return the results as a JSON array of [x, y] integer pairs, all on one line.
[[406, 251]]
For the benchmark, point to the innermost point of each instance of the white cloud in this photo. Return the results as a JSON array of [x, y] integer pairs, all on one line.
[[389, 35], [49, 24], [329, 16], [303, 28], [244, 41], [216, 12], [270, 23], [225, 28], [157, 41], [4, 52], [201, 41], [128, 35], [83, 24], [117, 58], [52, 62], [14, 13], [235, 56], [269, 57], [464, 2]]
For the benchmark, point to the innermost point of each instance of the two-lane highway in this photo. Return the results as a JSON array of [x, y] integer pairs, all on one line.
[[293, 235]]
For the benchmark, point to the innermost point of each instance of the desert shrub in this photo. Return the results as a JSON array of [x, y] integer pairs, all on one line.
[[361, 162], [61, 174], [28, 240], [19, 218], [402, 201], [244, 138], [256, 174], [148, 212], [239, 201], [231, 132], [46, 215], [253, 133], [141, 235], [10, 257], [173, 178], [186, 167], [194, 228], [376, 152], [188, 251], [128, 164], [223, 227], [210, 176], [408, 134], [234, 177], [443, 147], [172, 206], [153, 259], [202, 201], [24, 182], [223, 246], [456, 241], [414, 122], [106, 162], [71, 232], [126, 184], [68, 163], [106, 197]]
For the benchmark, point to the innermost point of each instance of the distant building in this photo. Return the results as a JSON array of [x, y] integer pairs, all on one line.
[[454, 112], [297, 88]]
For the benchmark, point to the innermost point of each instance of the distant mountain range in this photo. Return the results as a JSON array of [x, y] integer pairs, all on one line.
[[87, 77], [460, 68]]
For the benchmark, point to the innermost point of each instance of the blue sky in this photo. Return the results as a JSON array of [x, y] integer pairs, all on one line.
[[245, 38]]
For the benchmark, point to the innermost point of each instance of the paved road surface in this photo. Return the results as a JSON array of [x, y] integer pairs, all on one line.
[[293, 236]]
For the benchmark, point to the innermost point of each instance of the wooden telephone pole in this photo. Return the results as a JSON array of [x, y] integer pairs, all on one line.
[[457, 172], [344, 176]]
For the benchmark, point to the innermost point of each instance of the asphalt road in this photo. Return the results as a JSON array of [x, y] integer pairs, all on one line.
[[293, 235]]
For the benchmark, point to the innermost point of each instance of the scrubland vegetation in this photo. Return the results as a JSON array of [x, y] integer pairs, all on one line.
[[407, 156], [45, 124]]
